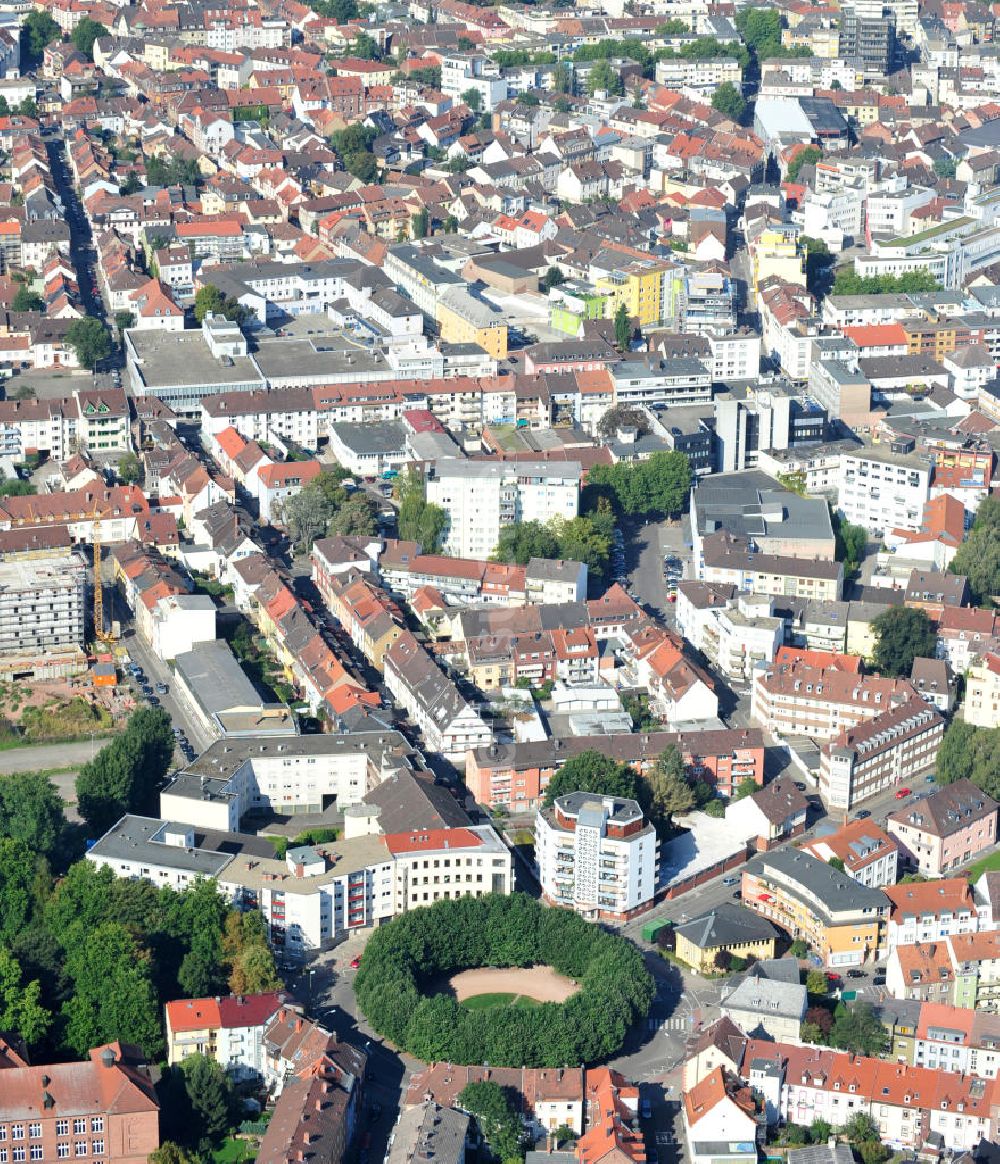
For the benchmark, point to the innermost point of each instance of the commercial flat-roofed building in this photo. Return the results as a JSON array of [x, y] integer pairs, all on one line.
[[215, 687]]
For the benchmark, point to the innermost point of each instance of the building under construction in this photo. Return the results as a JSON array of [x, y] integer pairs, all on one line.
[[43, 615]]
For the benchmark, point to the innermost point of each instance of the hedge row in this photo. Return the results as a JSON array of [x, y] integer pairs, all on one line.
[[416, 950]]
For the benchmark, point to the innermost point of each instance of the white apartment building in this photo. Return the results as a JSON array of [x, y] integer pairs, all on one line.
[[597, 855], [881, 490], [294, 774], [481, 498], [316, 894], [703, 76]]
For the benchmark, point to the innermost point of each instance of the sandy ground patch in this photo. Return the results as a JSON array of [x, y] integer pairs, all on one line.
[[539, 982]]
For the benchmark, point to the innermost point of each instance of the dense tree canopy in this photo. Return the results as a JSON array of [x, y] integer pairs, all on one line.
[[970, 753], [858, 1029], [729, 101], [37, 31], [658, 485], [806, 157], [125, 775], [848, 282], [85, 33], [591, 771], [851, 541], [419, 519], [325, 507], [498, 1118], [902, 635], [90, 340], [31, 812], [978, 557], [354, 147], [414, 949]]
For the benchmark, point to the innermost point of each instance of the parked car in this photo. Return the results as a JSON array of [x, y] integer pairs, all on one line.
[[855, 973], [878, 980], [903, 793], [356, 962], [864, 814], [162, 689], [730, 881]]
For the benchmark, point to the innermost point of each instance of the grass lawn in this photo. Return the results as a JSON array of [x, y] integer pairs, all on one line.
[[984, 866], [488, 1001], [233, 1151]]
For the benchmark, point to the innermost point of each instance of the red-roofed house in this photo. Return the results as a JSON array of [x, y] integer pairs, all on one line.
[[719, 1111], [279, 481], [229, 1030]]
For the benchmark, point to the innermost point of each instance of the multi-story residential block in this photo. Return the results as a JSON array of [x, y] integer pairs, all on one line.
[[730, 559], [948, 828], [103, 1109], [799, 699], [597, 855], [518, 774], [228, 1029], [482, 498], [896, 746], [869, 855], [962, 970], [449, 723], [928, 912], [982, 691], [882, 490], [843, 921], [316, 895], [428, 1128], [42, 615], [908, 1104]]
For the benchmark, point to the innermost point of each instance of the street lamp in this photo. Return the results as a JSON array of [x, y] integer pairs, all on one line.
[[310, 988]]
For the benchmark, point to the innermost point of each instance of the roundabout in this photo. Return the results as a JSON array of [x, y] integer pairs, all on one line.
[[503, 980]]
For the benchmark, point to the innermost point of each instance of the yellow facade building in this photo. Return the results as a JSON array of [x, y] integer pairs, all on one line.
[[463, 319]]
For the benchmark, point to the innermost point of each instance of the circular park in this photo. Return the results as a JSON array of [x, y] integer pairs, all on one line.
[[502, 980]]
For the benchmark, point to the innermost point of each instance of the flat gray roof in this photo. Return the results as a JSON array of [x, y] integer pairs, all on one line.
[[183, 358], [136, 838], [214, 677]]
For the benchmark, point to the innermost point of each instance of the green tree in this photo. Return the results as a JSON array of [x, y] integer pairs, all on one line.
[[354, 147], [562, 78], [798, 948], [945, 167], [857, 1028], [113, 995], [861, 1129], [552, 278], [728, 101], [419, 224], [31, 812], [474, 99], [902, 635], [660, 484], [90, 341], [306, 515], [27, 300], [366, 47], [497, 1118], [211, 1097], [125, 775], [848, 282], [604, 77], [623, 416], [129, 469], [978, 557], [170, 1153], [820, 1131], [746, 787], [591, 771], [23, 879], [357, 517], [623, 328], [209, 300], [817, 983], [37, 32], [807, 157], [671, 793], [419, 520], [837, 863], [85, 33], [580, 541], [124, 319], [850, 541], [818, 258], [524, 540], [21, 1009]]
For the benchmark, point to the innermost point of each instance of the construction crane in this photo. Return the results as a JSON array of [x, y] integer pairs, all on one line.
[[102, 635]]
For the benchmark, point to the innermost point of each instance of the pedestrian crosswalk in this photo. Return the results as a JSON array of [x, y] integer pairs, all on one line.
[[671, 1024]]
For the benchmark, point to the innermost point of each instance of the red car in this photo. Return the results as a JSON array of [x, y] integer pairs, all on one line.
[[903, 793], [356, 962]]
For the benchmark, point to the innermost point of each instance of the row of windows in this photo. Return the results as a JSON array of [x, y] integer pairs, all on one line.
[[64, 1150], [62, 1128]]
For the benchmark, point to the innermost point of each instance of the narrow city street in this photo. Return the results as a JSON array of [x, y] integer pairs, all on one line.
[[82, 251]]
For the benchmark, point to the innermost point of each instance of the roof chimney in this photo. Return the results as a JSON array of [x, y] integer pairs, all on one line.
[[108, 1057]]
